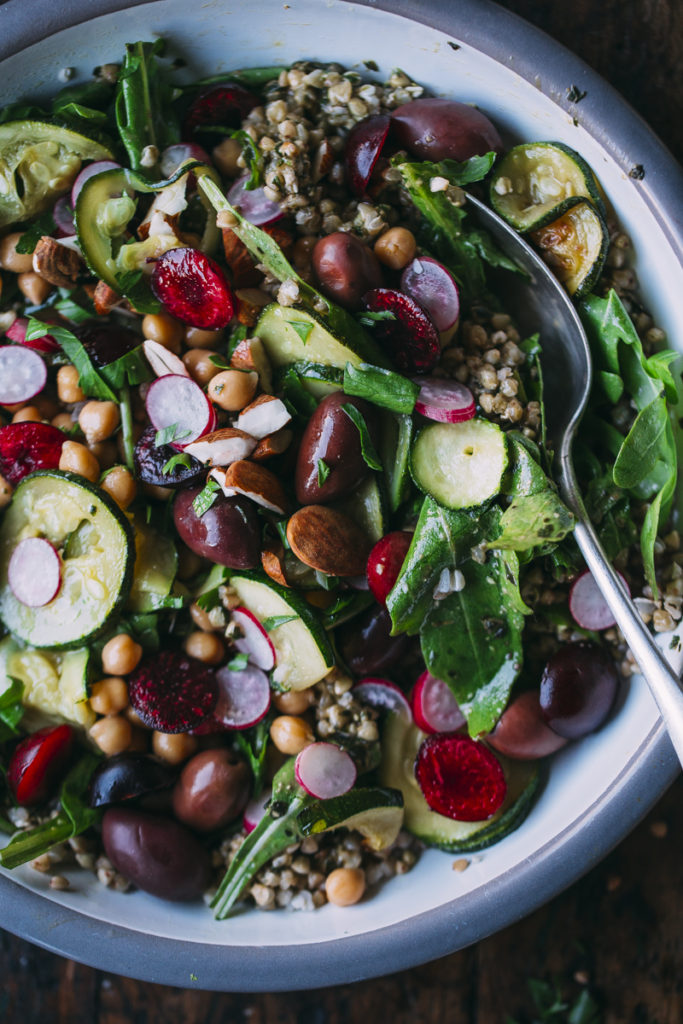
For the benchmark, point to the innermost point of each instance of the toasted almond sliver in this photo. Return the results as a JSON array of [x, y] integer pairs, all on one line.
[[263, 416], [222, 447], [258, 484], [272, 560], [274, 444], [250, 354], [162, 361]]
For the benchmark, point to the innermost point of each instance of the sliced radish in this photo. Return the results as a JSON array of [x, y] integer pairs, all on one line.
[[17, 334], [173, 156], [243, 697], [64, 216], [324, 770], [383, 695], [22, 374], [254, 640], [434, 707], [587, 606], [253, 204], [162, 361], [446, 401], [174, 399], [89, 171], [434, 288], [34, 572], [255, 810]]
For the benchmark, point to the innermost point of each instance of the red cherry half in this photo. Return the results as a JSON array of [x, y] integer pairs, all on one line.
[[194, 289], [385, 561], [459, 777], [39, 763]]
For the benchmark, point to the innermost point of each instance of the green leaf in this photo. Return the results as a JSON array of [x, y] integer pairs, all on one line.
[[641, 447], [145, 115], [219, 361], [73, 311], [11, 709], [323, 472], [369, 319], [181, 459], [43, 225], [302, 327], [252, 157], [206, 497], [534, 520], [274, 621], [238, 663], [381, 387], [89, 378], [254, 745], [167, 435], [370, 456], [612, 385]]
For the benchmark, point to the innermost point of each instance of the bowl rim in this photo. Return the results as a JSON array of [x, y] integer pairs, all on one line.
[[651, 768]]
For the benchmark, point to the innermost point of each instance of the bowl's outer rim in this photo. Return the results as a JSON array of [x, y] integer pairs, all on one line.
[[648, 772]]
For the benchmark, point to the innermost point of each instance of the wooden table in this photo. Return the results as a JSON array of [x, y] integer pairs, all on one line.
[[617, 933]]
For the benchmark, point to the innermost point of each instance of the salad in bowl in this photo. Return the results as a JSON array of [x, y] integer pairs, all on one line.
[[287, 590]]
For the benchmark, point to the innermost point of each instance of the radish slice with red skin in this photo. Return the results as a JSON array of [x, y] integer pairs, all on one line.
[[383, 695], [34, 572], [459, 777], [434, 707], [64, 217], [89, 171], [174, 399], [434, 288], [23, 374], [243, 697], [254, 640], [324, 770], [446, 401], [253, 204], [587, 606], [175, 155], [17, 333], [255, 810]]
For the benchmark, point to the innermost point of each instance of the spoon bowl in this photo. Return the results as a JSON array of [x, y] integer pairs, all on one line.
[[538, 302]]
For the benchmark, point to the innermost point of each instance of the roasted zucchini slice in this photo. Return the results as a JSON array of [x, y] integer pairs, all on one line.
[[575, 246]]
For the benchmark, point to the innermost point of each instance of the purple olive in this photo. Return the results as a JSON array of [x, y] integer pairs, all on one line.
[[367, 645], [149, 460], [128, 776], [578, 688], [213, 790], [331, 436], [345, 268], [440, 129], [363, 145], [228, 532], [522, 733], [157, 854]]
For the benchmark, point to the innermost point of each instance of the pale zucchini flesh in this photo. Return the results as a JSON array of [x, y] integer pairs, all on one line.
[[55, 682], [460, 464]]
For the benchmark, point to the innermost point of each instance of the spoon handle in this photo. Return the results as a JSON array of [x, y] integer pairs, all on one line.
[[664, 684]]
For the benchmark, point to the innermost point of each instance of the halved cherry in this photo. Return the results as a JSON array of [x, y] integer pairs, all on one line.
[[25, 447], [38, 764], [222, 104], [385, 561], [363, 146], [17, 334], [407, 334], [194, 289], [459, 777]]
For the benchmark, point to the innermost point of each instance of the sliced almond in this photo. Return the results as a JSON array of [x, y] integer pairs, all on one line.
[[264, 416], [273, 562], [250, 354], [57, 264], [162, 361], [274, 444], [105, 298], [258, 484], [222, 447], [328, 541]]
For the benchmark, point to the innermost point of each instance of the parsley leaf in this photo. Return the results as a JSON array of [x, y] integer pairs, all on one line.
[[302, 327], [273, 621], [181, 459], [206, 497], [43, 225], [323, 472], [252, 157], [238, 663], [370, 456], [369, 319], [167, 435], [89, 378]]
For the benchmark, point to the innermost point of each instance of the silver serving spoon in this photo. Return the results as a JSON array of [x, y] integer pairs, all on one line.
[[541, 303]]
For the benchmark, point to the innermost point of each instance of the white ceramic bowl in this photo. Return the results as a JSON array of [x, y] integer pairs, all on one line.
[[598, 789]]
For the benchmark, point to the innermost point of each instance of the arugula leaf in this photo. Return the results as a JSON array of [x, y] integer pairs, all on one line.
[[641, 447], [537, 519], [254, 745], [370, 456], [89, 378], [42, 225], [143, 105], [251, 78], [381, 387], [299, 401], [72, 310], [206, 497], [323, 472]]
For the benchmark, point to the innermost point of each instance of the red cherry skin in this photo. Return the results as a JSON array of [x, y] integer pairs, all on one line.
[[39, 763], [385, 561]]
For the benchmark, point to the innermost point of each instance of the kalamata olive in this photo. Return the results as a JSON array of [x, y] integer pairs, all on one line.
[[345, 268], [106, 342], [331, 436], [157, 854], [440, 129], [521, 732], [127, 776], [149, 460], [367, 645], [213, 790], [228, 533], [578, 688]]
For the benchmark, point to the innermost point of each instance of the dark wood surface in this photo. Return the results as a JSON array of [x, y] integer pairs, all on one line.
[[618, 932]]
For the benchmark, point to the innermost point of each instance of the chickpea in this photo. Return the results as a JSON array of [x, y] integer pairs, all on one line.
[[293, 702], [290, 734], [68, 389], [10, 259], [200, 617], [396, 248], [109, 696], [76, 458], [163, 329], [233, 389], [206, 647], [6, 492], [199, 366], [345, 886], [63, 421], [112, 735], [34, 287], [225, 156], [120, 485], [29, 414], [195, 337], [121, 655], [98, 420], [174, 747]]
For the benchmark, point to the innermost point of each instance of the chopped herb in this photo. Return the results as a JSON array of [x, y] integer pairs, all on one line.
[[302, 327], [370, 456], [219, 361], [11, 709], [637, 172], [181, 459], [72, 310], [273, 621], [575, 95], [206, 497], [323, 472], [238, 663], [369, 319], [325, 581], [167, 435], [43, 225], [371, 65], [281, 527], [453, 46], [251, 156]]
